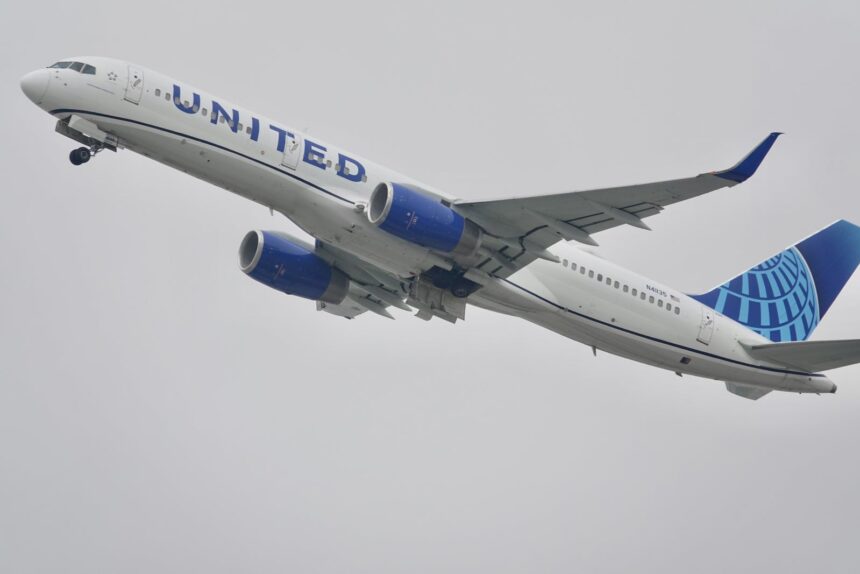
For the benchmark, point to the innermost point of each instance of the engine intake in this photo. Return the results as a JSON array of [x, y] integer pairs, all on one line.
[[282, 264], [413, 215]]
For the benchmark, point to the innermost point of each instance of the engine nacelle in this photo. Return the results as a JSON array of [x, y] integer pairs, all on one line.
[[415, 216], [274, 260]]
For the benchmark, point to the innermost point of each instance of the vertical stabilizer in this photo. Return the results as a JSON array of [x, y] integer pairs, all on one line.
[[785, 297]]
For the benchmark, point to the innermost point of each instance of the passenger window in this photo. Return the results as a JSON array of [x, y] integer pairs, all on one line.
[[651, 299], [660, 303], [625, 289], [89, 69], [617, 285], [677, 311], [591, 274], [634, 292], [248, 130], [582, 270], [196, 108], [600, 276], [167, 96], [668, 306], [240, 126], [564, 262], [205, 112], [364, 178], [157, 92], [76, 66], [642, 295], [573, 266]]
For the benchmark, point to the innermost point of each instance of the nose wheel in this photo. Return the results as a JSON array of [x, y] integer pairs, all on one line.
[[80, 156]]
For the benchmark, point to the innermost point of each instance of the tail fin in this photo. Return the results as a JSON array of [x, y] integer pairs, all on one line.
[[786, 296]]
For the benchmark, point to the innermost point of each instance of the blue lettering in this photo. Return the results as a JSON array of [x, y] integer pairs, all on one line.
[[177, 101], [255, 129], [314, 154], [218, 109], [282, 137], [345, 172]]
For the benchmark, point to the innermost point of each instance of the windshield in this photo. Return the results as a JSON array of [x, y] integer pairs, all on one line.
[[76, 66]]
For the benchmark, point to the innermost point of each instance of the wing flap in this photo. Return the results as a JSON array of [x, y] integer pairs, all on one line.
[[346, 309], [746, 391], [371, 288]]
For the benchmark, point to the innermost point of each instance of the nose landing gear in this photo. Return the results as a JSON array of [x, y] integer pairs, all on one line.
[[71, 128]]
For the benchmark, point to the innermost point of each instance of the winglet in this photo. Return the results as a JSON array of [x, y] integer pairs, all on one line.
[[745, 168]]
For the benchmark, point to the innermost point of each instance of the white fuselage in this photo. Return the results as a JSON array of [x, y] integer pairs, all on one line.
[[323, 189]]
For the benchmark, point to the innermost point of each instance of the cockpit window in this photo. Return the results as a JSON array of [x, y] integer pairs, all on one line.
[[76, 66]]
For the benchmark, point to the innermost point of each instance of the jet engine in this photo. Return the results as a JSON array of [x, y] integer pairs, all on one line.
[[287, 266], [416, 216]]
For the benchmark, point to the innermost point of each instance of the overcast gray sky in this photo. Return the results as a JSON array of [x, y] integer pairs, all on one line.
[[161, 412]]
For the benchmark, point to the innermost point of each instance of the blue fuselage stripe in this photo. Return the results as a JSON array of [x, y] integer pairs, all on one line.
[[206, 142], [658, 340]]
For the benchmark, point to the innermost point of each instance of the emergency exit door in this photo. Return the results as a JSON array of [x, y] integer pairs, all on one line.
[[292, 151]]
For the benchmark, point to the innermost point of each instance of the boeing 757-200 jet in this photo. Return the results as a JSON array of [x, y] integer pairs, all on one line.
[[383, 240]]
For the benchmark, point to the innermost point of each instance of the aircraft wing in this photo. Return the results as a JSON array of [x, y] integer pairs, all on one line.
[[371, 288], [537, 222]]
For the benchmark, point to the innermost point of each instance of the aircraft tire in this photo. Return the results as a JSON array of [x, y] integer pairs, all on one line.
[[79, 156]]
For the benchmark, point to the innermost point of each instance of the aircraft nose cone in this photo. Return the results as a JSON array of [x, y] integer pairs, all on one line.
[[35, 84]]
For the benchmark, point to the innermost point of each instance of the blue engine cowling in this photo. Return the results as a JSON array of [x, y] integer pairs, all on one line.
[[284, 265], [420, 218]]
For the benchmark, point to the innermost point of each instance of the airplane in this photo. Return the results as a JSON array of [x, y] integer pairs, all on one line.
[[382, 240]]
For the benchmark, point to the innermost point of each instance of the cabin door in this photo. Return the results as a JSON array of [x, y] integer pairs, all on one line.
[[134, 87], [706, 328]]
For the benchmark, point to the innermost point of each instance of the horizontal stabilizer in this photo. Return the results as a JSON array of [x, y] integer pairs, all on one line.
[[811, 356], [746, 391]]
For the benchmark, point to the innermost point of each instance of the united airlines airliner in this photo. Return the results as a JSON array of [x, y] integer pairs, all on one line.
[[382, 240]]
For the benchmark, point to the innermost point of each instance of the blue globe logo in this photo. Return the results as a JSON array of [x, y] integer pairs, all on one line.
[[776, 298]]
